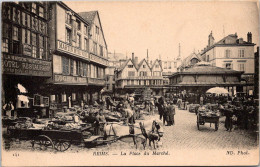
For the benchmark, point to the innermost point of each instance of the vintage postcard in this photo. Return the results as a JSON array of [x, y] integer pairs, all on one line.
[[122, 83]]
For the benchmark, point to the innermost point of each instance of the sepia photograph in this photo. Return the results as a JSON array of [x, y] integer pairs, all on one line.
[[130, 83]]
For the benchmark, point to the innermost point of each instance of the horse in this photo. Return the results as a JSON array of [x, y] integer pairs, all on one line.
[[150, 129], [153, 135]]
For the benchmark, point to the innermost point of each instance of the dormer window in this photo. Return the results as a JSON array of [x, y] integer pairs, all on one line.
[[144, 66]]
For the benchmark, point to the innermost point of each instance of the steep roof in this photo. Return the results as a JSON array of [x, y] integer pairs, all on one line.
[[139, 65], [186, 61], [155, 63], [124, 65], [89, 17], [234, 39]]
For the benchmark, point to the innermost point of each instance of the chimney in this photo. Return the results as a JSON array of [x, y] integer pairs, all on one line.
[[240, 40], [249, 37], [133, 56], [211, 40], [136, 60]]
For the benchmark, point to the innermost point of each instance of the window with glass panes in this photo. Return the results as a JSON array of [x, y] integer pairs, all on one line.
[[34, 8], [85, 30], [78, 41], [65, 65], [68, 18], [241, 53], [71, 67], [5, 45], [95, 48], [101, 50], [16, 42], [27, 37], [228, 53], [68, 35], [15, 33], [41, 47], [78, 24], [5, 40], [6, 12], [34, 45], [84, 69], [41, 11], [86, 44], [241, 67]]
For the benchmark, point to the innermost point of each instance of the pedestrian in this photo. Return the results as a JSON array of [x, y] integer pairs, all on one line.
[[129, 115], [170, 112], [228, 120], [8, 109], [99, 123], [201, 100], [165, 114], [160, 106]]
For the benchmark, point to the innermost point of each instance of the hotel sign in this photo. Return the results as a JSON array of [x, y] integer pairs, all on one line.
[[69, 79], [62, 46], [18, 65]]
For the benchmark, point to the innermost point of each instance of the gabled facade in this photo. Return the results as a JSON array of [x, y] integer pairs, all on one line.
[[134, 76], [233, 53], [144, 69], [156, 69], [189, 61], [78, 69]]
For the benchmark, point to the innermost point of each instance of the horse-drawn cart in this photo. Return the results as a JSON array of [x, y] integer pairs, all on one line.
[[59, 140]]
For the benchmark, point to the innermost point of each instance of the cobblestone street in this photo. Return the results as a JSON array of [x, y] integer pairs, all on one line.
[[185, 135]]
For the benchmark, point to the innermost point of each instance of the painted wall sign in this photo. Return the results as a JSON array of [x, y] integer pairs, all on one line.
[[18, 65], [96, 81], [69, 79], [62, 46], [99, 60]]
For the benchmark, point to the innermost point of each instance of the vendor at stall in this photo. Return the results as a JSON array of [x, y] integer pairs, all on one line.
[[99, 122], [8, 109]]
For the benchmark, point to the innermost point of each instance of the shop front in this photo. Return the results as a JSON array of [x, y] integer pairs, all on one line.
[[23, 84]]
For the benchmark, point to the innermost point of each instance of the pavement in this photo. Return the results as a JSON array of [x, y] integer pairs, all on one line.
[[183, 135]]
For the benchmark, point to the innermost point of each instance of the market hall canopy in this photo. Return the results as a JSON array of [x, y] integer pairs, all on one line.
[[206, 75]]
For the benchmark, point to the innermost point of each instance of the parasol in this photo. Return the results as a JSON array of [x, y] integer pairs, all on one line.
[[217, 90]]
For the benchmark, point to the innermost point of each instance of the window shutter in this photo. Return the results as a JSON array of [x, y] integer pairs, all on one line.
[[223, 65], [232, 66]]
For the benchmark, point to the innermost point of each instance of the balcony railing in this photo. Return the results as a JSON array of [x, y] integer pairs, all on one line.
[[96, 81], [141, 77]]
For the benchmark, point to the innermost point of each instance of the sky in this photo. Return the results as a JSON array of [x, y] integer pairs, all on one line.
[[160, 26]]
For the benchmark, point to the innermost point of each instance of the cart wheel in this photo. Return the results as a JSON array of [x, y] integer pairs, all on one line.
[[216, 126], [42, 142], [60, 145]]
